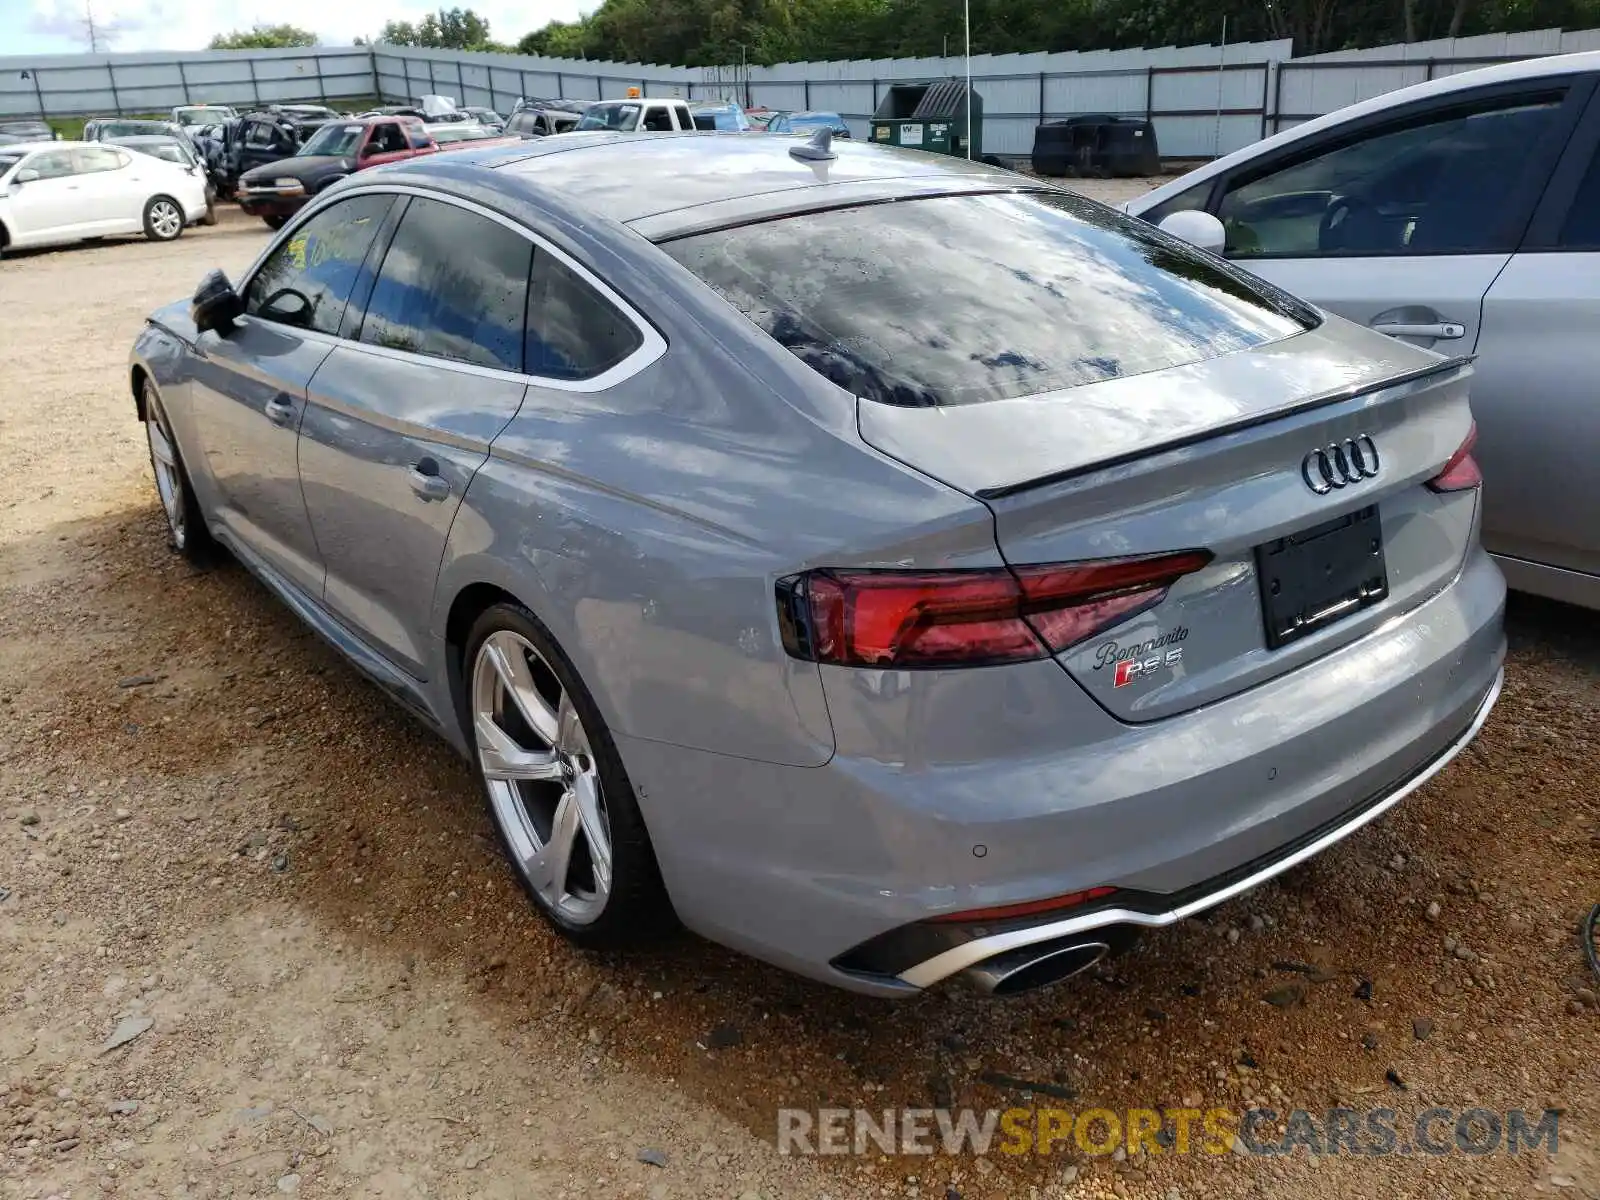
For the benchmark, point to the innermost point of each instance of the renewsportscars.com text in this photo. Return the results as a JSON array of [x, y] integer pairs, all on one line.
[[1100, 1131]]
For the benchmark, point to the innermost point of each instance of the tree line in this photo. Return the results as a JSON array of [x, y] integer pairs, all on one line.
[[763, 32]]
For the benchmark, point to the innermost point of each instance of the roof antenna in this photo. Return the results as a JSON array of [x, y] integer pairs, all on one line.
[[817, 148], [966, 21]]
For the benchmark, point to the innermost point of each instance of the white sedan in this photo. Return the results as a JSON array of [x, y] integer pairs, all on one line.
[[55, 192]]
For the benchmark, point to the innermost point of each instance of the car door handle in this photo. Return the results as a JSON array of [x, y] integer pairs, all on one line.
[[280, 411], [1443, 330], [426, 481]]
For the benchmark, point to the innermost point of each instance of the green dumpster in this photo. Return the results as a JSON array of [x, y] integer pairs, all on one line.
[[929, 116]]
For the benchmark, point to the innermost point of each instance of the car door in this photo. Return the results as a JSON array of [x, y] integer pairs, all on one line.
[[110, 186], [401, 418], [1536, 395], [1403, 222], [249, 387], [53, 206]]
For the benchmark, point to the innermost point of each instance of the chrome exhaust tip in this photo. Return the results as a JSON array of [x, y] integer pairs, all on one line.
[[1031, 967]]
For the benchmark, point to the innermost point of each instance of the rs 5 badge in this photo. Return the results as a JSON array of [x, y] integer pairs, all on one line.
[[1130, 669], [1132, 663]]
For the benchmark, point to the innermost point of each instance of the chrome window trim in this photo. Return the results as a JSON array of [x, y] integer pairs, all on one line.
[[651, 347]]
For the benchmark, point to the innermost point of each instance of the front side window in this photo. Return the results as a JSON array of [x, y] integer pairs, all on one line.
[[1440, 184], [453, 285], [659, 120], [307, 279], [259, 133], [52, 164], [622, 118], [387, 138], [962, 299]]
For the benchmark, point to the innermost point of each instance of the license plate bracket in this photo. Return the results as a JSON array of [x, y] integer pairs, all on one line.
[[1321, 575]]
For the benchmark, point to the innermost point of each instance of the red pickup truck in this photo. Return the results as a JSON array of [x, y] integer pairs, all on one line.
[[275, 190]]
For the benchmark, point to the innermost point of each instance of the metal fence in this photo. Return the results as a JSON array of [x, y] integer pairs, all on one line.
[[1203, 100], [116, 84]]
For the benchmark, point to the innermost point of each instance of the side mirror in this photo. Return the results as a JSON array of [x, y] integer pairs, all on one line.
[[1198, 229], [215, 305], [26, 175]]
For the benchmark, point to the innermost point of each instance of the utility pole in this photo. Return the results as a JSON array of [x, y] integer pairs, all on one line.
[[93, 31]]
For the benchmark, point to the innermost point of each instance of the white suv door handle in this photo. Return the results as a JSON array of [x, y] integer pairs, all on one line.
[[1443, 330]]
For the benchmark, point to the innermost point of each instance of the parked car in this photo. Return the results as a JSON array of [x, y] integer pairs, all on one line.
[[193, 116], [727, 117], [105, 129], [275, 191], [540, 122], [56, 192], [807, 123], [258, 138], [1462, 215], [557, 105], [956, 616], [487, 117], [636, 116], [176, 150], [12, 132], [453, 134]]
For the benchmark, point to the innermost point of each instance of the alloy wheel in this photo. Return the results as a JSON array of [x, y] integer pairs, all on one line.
[[542, 779], [164, 461], [165, 219]]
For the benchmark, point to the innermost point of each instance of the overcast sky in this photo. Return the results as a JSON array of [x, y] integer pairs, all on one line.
[[57, 26]]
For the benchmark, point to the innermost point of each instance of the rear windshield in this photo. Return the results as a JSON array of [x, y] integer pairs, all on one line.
[[961, 299]]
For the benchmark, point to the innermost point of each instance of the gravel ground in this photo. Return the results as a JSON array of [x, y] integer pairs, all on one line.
[[219, 841]]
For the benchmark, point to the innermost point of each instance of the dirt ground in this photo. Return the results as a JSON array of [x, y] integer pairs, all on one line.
[[218, 839]]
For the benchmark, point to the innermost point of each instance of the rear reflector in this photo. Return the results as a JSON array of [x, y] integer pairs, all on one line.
[[1028, 908], [1461, 473], [967, 618]]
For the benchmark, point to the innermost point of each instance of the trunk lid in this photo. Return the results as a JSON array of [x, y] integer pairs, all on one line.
[[1213, 456]]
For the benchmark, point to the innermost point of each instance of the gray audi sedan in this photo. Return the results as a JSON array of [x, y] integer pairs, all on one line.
[[891, 567]]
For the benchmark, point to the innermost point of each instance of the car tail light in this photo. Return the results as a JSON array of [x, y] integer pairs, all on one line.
[[1027, 908], [871, 618], [1461, 473]]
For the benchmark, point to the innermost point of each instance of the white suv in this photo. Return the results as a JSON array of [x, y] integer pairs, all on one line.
[[637, 116]]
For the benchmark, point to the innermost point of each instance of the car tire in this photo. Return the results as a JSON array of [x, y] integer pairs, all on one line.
[[163, 219], [186, 524], [512, 666], [274, 222]]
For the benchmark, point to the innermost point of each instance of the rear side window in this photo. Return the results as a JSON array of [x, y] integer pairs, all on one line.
[[307, 279], [1582, 227], [962, 299], [92, 159], [573, 331], [453, 285]]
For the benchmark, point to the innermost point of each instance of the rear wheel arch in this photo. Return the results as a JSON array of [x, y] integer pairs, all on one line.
[[469, 604]]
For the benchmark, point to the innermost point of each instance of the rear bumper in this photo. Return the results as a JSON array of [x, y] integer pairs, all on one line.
[[960, 790], [1156, 912]]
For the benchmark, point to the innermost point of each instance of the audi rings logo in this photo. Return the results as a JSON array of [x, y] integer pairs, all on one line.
[[1341, 464]]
